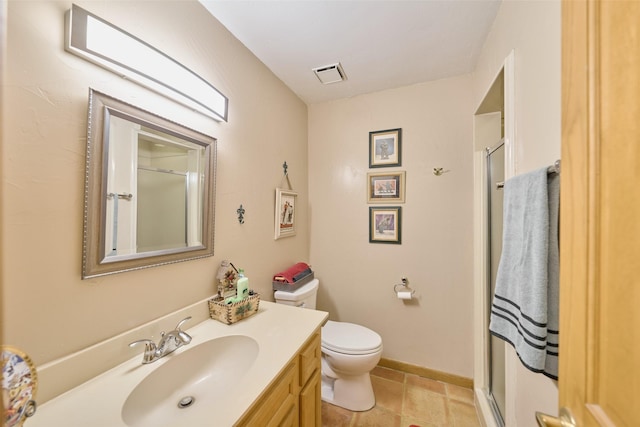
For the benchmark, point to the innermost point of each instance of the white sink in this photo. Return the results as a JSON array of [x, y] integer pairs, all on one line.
[[226, 368], [192, 380]]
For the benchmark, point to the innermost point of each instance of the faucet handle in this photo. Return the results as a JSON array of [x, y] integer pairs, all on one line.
[[183, 321], [185, 337], [146, 342], [149, 349]]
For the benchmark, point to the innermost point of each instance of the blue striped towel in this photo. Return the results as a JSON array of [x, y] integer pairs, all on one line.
[[524, 311]]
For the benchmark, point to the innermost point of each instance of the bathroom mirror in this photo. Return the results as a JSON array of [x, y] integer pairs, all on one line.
[[149, 190]]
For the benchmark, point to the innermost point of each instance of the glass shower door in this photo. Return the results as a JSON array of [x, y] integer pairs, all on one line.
[[495, 175]]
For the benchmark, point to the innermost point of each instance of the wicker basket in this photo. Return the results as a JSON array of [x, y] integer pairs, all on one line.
[[231, 313]]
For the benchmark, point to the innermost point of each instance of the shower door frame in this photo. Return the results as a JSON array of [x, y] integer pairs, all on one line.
[[481, 284], [490, 180]]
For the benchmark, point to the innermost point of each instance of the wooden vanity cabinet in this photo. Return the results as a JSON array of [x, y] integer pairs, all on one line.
[[293, 399], [310, 383]]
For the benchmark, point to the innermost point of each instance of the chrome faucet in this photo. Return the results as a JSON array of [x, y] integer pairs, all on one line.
[[168, 343]]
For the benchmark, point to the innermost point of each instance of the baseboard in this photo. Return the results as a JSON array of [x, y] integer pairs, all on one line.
[[427, 373]]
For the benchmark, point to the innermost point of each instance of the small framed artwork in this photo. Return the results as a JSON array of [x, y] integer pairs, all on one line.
[[285, 213], [385, 187], [385, 148], [385, 224]]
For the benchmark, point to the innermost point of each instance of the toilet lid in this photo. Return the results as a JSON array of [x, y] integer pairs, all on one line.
[[350, 338]]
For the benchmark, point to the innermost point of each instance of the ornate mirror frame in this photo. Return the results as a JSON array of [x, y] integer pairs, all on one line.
[[94, 262]]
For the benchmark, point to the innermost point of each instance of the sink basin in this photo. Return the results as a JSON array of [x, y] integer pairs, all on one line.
[[192, 380]]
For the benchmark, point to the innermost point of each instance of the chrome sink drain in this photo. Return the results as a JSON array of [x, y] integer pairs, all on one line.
[[186, 401]]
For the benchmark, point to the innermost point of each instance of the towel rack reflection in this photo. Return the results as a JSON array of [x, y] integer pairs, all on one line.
[[127, 196], [554, 168]]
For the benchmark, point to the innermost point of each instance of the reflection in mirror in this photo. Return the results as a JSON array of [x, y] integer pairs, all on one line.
[[149, 191], [154, 205]]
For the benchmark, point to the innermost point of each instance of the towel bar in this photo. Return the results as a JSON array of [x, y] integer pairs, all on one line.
[[555, 168]]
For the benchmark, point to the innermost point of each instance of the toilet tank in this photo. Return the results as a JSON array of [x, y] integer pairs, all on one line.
[[304, 297]]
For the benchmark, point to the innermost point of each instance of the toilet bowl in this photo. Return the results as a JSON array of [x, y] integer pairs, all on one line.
[[349, 353]]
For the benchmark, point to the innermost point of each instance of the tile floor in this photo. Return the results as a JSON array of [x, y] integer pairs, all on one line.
[[404, 400]]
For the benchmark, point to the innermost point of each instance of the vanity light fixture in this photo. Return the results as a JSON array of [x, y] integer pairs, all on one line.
[[96, 40]]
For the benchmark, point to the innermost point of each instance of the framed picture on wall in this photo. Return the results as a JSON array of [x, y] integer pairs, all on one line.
[[385, 148], [285, 213], [385, 187], [385, 224]]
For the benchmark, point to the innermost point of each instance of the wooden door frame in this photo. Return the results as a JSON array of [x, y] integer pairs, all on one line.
[[577, 148], [599, 209]]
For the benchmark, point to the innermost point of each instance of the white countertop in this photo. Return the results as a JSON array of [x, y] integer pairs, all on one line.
[[279, 330]]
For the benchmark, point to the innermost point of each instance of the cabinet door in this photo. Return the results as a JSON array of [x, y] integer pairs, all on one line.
[[310, 358], [289, 420], [310, 402], [277, 402]]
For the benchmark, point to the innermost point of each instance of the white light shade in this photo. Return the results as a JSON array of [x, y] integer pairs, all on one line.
[[104, 44]]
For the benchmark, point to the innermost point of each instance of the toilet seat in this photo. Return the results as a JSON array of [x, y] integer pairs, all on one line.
[[349, 338]]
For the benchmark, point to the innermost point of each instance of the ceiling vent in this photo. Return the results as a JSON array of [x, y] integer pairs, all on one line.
[[330, 73]]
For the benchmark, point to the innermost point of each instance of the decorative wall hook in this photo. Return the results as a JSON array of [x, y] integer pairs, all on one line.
[[285, 167], [438, 171], [240, 212]]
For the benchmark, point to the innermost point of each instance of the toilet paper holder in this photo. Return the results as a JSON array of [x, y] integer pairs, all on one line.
[[403, 287]]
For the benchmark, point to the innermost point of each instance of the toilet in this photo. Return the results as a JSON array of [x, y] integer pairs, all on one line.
[[349, 353]]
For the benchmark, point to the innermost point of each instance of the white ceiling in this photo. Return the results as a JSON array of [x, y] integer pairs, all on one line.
[[381, 44]]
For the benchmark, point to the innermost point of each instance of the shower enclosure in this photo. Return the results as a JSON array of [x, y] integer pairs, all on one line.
[[496, 357], [494, 127], [162, 209]]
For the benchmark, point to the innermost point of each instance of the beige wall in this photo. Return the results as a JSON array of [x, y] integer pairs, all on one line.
[[532, 30], [3, 42], [48, 310], [357, 277]]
